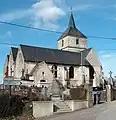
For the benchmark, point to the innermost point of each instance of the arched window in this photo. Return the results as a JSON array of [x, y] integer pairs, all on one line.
[[22, 74], [62, 43], [77, 41], [71, 72], [54, 70], [11, 71], [91, 72]]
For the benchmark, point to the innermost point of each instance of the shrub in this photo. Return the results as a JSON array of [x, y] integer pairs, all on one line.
[[10, 106]]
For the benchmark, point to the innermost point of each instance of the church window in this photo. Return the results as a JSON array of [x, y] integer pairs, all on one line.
[[42, 80], [62, 43], [77, 41], [22, 73], [11, 71], [54, 70], [71, 72]]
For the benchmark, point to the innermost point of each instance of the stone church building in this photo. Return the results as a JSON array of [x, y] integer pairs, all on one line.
[[72, 64]]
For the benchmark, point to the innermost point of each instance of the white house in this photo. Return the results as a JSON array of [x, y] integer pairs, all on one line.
[[73, 63]]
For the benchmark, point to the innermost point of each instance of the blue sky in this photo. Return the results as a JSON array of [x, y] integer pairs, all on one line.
[[93, 18]]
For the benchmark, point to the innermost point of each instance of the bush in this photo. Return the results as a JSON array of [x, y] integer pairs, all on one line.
[[10, 106]]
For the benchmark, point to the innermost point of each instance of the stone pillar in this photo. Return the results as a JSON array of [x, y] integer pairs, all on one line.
[[89, 95], [109, 93], [56, 95]]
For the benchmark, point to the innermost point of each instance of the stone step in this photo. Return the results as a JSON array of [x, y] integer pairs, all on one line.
[[63, 107], [63, 111]]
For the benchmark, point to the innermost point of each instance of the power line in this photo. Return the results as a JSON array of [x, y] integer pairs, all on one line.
[[45, 30], [29, 27], [9, 44], [100, 37]]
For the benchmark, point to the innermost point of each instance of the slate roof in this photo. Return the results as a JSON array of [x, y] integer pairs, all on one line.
[[72, 30], [32, 54], [84, 55], [14, 52]]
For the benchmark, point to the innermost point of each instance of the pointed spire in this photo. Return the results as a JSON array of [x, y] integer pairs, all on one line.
[[72, 30], [71, 22]]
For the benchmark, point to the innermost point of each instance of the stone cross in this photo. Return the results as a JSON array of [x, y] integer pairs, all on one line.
[[110, 74]]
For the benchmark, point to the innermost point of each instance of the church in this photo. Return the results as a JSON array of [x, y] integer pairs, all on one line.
[[72, 63]]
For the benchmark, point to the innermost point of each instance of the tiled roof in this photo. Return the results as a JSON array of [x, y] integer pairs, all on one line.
[[72, 30], [14, 52]]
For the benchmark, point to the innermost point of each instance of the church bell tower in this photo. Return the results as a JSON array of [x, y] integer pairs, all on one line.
[[72, 39]]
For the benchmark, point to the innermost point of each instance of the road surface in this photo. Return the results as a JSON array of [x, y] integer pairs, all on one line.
[[106, 111]]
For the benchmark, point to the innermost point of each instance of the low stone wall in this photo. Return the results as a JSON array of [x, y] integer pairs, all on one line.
[[43, 108], [77, 104], [113, 93]]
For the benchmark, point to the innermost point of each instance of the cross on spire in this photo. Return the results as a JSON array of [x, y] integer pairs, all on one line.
[[71, 9], [71, 21]]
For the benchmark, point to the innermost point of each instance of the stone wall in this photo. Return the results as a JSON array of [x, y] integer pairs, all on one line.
[[70, 44], [45, 108], [78, 93], [76, 104], [19, 64], [42, 72], [41, 109], [29, 66], [111, 93]]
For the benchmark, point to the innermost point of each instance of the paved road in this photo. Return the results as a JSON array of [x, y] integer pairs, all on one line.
[[105, 111]]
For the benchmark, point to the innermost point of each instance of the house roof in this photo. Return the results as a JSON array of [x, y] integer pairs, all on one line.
[[72, 30], [38, 54], [14, 52]]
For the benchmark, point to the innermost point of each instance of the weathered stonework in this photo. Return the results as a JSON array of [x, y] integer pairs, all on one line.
[[70, 44], [20, 64]]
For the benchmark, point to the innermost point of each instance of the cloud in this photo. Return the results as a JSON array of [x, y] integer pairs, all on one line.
[[46, 13], [107, 56], [8, 34], [15, 15]]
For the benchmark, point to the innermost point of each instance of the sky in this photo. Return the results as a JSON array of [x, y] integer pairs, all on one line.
[[93, 18]]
